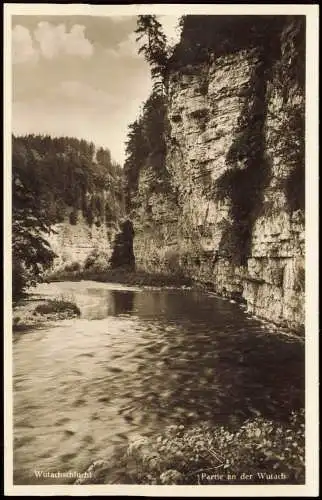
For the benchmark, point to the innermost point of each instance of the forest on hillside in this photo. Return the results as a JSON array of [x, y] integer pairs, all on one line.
[[67, 172], [53, 180]]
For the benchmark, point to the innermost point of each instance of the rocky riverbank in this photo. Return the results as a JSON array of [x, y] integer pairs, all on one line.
[[259, 451]]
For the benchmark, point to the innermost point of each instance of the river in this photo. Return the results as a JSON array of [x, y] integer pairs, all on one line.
[[135, 361]]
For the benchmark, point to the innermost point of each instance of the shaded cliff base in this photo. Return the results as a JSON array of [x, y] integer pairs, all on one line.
[[123, 276]]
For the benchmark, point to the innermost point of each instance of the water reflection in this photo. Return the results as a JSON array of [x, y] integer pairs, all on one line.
[[109, 303], [122, 302]]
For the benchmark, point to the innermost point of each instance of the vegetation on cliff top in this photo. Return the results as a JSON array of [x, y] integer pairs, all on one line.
[[146, 143], [203, 36], [52, 179], [146, 149], [68, 173]]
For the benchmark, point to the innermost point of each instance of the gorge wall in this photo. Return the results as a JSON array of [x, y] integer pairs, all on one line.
[[234, 214], [81, 245]]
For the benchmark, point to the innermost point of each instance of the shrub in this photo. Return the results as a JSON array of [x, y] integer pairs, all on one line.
[[57, 306], [171, 261], [73, 217], [19, 278], [74, 266], [92, 260], [258, 446], [299, 284]]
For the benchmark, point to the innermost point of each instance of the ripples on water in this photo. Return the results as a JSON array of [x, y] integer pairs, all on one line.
[[136, 361]]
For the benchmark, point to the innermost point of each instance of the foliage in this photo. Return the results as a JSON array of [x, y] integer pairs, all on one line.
[[123, 255], [299, 284], [73, 217], [258, 446], [50, 176], [146, 148], [290, 78], [67, 172], [31, 253], [125, 276], [136, 152], [57, 306], [172, 261], [146, 145], [250, 168], [95, 261], [203, 36], [244, 181], [73, 267], [154, 48]]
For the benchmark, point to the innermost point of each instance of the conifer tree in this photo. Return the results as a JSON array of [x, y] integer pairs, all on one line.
[[154, 48]]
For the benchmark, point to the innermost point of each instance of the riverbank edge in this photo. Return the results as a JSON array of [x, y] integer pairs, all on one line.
[[47, 311], [144, 279], [258, 450]]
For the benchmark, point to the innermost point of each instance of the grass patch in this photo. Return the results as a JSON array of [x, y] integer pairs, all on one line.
[[58, 307], [27, 317]]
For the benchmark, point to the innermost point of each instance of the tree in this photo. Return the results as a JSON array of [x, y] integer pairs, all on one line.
[[31, 253], [123, 255], [146, 148], [154, 48], [136, 153]]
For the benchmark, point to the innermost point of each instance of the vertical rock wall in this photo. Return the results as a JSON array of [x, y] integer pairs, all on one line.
[[234, 216], [82, 243], [73, 244], [276, 279]]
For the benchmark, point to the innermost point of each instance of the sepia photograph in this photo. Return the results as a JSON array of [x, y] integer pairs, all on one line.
[[160, 257]]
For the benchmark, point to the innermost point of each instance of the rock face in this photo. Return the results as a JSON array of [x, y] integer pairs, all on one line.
[[234, 216], [77, 244]]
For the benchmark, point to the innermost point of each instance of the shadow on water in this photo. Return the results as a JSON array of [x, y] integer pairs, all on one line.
[[220, 364], [206, 359], [122, 302], [138, 360]]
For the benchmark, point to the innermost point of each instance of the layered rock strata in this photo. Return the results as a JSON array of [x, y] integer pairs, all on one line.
[[234, 217]]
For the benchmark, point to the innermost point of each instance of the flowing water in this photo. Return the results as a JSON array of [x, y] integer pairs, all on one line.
[[136, 361]]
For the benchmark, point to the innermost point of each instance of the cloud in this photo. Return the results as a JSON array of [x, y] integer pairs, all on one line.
[[120, 19], [93, 97], [85, 95], [23, 49], [127, 48], [55, 40]]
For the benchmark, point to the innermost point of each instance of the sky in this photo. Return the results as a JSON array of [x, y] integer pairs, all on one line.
[[80, 76]]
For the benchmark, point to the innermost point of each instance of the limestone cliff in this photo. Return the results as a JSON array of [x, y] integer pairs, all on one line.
[[234, 216], [76, 244], [81, 244]]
